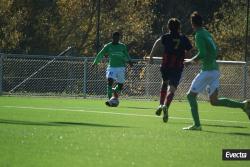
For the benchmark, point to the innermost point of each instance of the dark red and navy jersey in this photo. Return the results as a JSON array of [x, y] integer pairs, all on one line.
[[175, 45]]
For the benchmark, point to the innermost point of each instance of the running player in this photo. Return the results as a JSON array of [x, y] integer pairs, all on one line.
[[173, 47], [209, 75], [118, 57]]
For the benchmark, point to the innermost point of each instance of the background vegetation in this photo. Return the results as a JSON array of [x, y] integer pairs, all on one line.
[[49, 26]]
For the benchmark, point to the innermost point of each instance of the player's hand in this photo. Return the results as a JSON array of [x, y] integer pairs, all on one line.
[[190, 61], [149, 59], [187, 61]]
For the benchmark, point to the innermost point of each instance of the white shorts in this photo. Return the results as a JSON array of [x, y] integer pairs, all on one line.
[[205, 80], [116, 73]]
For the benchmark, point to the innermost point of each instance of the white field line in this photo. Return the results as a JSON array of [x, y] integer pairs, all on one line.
[[115, 113], [186, 110]]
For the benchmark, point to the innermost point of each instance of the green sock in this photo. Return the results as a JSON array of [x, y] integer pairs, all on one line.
[[118, 89], [229, 103], [109, 90], [194, 109]]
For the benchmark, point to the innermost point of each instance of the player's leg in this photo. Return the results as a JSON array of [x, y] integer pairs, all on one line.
[[192, 99], [167, 102], [110, 75], [117, 90], [120, 75], [163, 93], [226, 102], [170, 95], [174, 80], [197, 86], [213, 93], [109, 89]]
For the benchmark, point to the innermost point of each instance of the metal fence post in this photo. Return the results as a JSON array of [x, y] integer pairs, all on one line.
[[147, 81], [85, 78], [245, 81], [1, 74]]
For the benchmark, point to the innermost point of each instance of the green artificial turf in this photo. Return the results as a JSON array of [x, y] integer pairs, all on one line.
[[58, 132]]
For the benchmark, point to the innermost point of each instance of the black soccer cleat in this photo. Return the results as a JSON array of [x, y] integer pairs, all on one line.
[[165, 114], [107, 104], [158, 110]]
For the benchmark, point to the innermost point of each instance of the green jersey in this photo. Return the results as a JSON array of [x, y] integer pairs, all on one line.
[[117, 53], [207, 50]]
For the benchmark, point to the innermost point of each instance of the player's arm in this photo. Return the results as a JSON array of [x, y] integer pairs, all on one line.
[[157, 50], [201, 46], [100, 55], [188, 53], [188, 48], [194, 59]]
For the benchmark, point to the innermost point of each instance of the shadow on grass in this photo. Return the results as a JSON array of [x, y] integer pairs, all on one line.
[[219, 126], [212, 125], [224, 126], [228, 133], [18, 122]]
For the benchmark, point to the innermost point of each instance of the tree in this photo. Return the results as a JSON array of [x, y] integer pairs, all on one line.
[[228, 28], [10, 22], [48, 26], [133, 19]]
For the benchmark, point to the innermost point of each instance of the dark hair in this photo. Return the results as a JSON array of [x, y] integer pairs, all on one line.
[[116, 33], [174, 24], [196, 19]]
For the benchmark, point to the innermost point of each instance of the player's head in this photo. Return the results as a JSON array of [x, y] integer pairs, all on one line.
[[174, 25], [116, 37], [196, 20]]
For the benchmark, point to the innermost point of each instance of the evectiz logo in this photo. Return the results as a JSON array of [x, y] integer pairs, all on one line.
[[236, 154]]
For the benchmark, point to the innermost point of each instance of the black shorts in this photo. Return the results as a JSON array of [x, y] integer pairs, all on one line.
[[173, 76]]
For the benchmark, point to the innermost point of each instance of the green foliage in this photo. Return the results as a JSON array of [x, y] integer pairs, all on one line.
[[48, 27], [10, 35], [75, 25], [163, 10], [228, 27], [133, 19]]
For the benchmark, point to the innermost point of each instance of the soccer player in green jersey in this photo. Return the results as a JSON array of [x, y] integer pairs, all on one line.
[[118, 57], [209, 75]]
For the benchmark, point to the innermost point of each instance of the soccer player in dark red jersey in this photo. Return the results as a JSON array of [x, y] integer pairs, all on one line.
[[173, 47]]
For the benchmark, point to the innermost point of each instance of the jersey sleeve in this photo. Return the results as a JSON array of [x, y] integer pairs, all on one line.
[[158, 49], [201, 46], [188, 45], [100, 55]]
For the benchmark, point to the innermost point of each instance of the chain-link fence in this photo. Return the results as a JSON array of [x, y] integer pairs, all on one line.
[[75, 76]]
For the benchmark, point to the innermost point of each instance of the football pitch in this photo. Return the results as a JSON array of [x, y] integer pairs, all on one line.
[[72, 132]]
